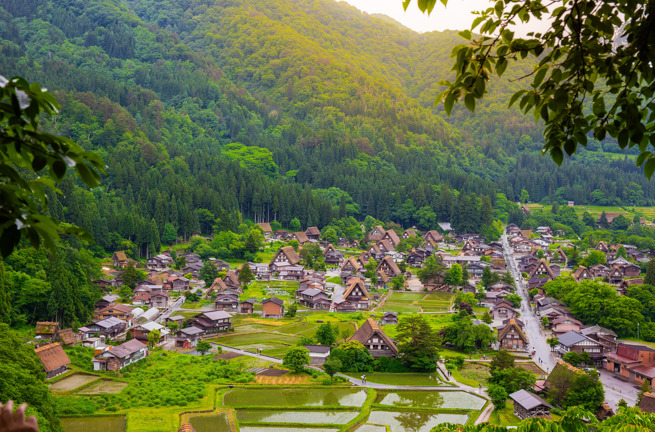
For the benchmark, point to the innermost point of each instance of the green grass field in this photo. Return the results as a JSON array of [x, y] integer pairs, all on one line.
[[417, 302], [406, 296]]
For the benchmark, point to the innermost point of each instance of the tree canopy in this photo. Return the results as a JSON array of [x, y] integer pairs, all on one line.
[[592, 53]]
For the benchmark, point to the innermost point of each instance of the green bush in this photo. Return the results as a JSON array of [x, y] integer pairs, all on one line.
[[327, 382]]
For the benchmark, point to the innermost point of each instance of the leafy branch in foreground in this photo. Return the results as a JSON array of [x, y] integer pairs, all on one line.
[[593, 53], [31, 162]]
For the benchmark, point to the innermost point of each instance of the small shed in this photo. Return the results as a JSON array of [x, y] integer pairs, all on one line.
[[318, 354], [529, 405]]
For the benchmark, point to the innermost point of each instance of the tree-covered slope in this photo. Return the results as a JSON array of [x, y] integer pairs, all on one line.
[[245, 106]]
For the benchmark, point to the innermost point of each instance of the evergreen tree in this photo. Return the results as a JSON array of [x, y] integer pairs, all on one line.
[[649, 279], [417, 342], [132, 276], [604, 223], [5, 299], [209, 272], [169, 235], [245, 274]]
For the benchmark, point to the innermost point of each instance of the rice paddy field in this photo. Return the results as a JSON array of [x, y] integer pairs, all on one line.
[[274, 337], [72, 382], [94, 424], [410, 302]]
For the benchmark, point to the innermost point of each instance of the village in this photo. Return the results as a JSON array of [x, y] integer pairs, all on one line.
[[365, 290]]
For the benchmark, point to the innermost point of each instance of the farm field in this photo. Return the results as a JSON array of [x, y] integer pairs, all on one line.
[[104, 387], [94, 424], [72, 382], [409, 379], [407, 302], [210, 423]]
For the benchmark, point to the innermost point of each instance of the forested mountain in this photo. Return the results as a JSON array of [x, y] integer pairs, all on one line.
[[205, 109]]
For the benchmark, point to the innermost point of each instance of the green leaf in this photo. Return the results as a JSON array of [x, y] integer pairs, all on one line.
[[448, 103], [469, 101], [501, 65], [642, 157], [466, 34], [649, 168], [539, 76], [557, 155], [599, 106], [499, 7]]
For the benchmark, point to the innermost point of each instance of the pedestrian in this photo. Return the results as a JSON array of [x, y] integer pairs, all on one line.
[[362, 379]]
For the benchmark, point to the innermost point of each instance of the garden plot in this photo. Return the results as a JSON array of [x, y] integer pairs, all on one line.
[[94, 424], [104, 387], [72, 382]]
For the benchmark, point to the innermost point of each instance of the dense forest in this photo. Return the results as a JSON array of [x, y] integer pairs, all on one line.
[[211, 110]]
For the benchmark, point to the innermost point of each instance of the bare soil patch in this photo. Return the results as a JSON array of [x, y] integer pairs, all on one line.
[[227, 356], [273, 372]]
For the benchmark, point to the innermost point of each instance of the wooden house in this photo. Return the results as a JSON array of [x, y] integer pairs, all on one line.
[[159, 262], [273, 308], [318, 354], [392, 237], [529, 405], [433, 235], [385, 246], [213, 322], [389, 267], [512, 337], [627, 283], [332, 256], [286, 256], [313, 233], [313, 299], [120, 311], [602, 246], [502, 309], [227, 301], [119, 259], [231, 280], [266, 228], [389, 318], [416, 257], [599, 271], [615, 276], [357, 294], [351, 265], [579, 343], [375, 340], [564, 324], [218, 285], [581, 273], [188, 337], [247, 306], [408, 233], [108, 327], [375, 252], [53, 358], [120, 356], [377, 233], [300, 237], [141, 331], [47, 329]]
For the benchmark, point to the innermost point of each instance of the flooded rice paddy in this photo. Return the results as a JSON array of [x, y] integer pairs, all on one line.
[[304, 417], [295, 397], [431, 399]]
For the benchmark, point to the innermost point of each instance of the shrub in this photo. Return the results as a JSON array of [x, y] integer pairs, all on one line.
[[327, 382]]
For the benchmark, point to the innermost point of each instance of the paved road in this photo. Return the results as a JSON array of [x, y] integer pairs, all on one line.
[[536, 338], [617, 389], [172, 308]]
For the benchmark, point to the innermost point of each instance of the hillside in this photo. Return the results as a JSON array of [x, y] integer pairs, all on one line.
[[247, 106]]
